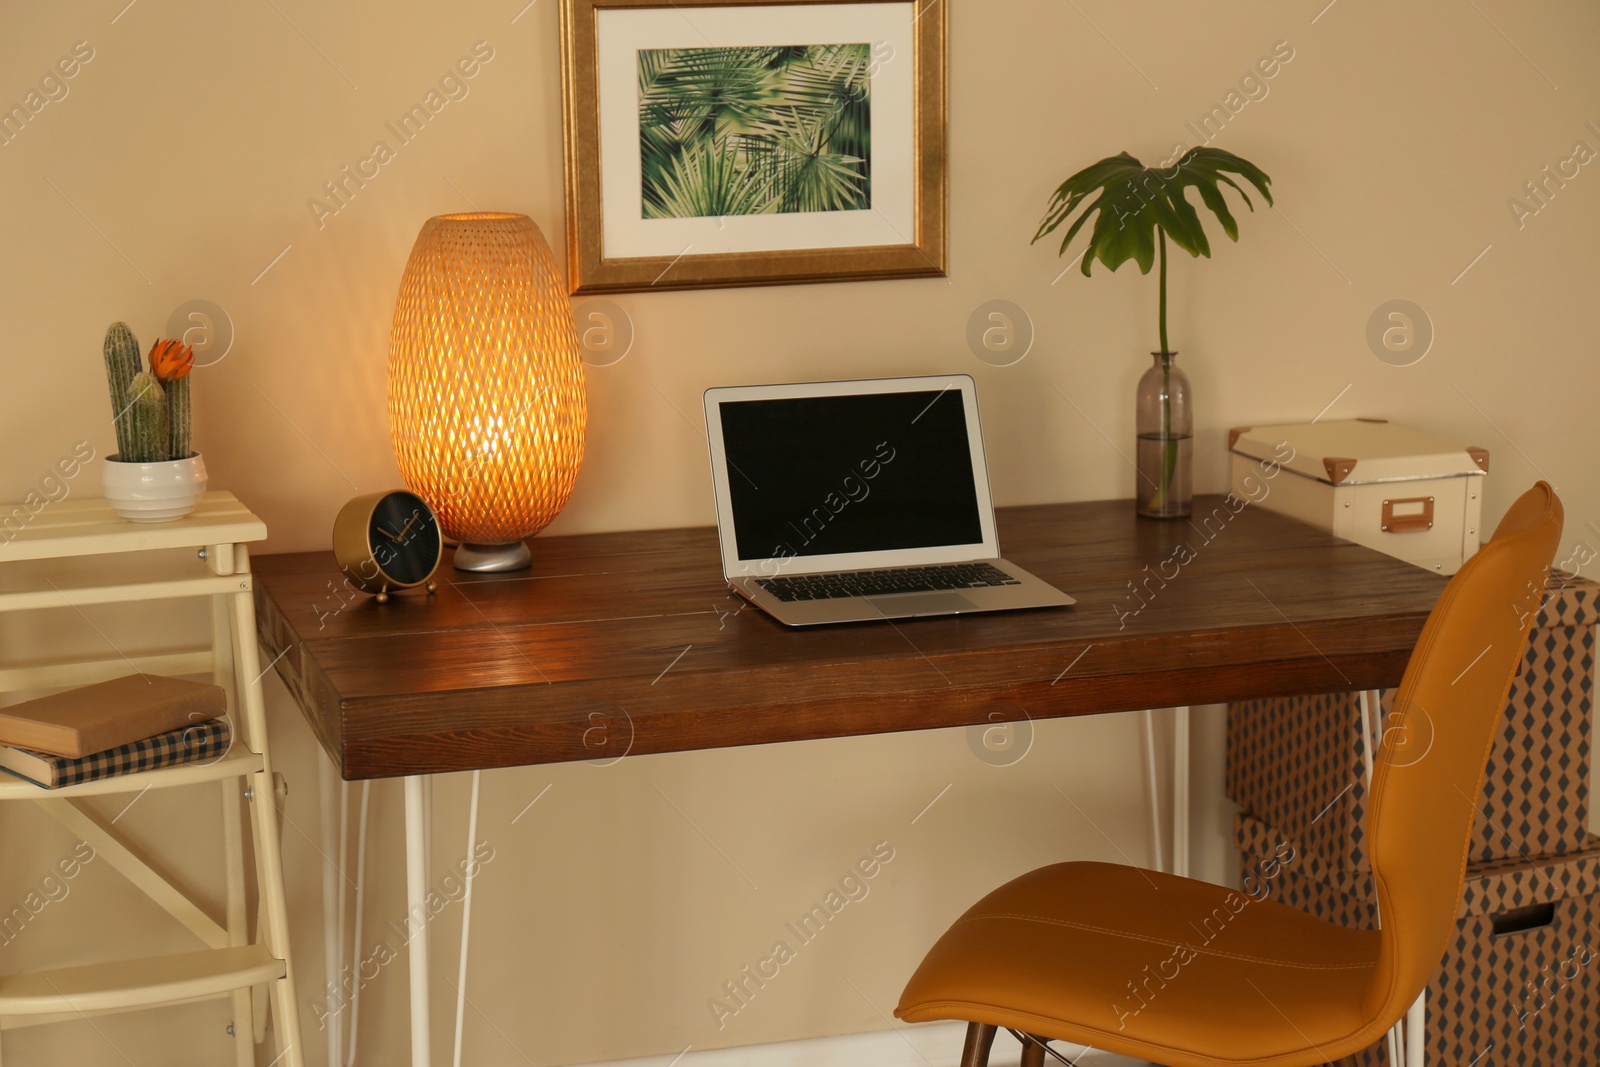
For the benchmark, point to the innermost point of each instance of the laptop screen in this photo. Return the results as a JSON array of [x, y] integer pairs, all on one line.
[[866, 472]]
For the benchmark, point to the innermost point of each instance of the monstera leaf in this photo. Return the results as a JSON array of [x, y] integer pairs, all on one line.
[[1136, 201], [1139, 207]]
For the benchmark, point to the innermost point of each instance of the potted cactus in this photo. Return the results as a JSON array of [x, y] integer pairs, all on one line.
[[154, 476]]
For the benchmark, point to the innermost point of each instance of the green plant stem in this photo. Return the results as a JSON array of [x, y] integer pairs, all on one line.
[[1163, 234], [1169, 443]]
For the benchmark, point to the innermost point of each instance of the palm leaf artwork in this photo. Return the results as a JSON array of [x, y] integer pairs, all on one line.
[[754, 130], [1137, 209]]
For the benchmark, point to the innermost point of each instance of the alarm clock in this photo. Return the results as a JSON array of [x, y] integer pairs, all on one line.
[[388, 540]]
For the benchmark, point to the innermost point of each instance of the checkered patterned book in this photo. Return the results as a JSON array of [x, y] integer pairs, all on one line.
[[203, 741]]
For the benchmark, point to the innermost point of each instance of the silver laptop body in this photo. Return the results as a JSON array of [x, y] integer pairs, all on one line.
[[833, 496]]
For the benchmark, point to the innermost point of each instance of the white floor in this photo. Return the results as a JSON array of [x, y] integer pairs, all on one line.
[[924, 1045]]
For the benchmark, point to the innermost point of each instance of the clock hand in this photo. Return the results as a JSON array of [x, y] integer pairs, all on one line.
[[399, 538]]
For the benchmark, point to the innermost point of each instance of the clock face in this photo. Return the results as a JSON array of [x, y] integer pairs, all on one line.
[[405, 538]]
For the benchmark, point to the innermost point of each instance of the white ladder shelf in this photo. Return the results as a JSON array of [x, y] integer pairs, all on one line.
[[248, 971]]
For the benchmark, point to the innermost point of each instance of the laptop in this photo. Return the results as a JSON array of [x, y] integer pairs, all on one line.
[[852, 501]]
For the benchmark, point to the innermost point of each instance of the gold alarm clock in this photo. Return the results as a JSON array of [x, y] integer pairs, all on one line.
[[388, 540]]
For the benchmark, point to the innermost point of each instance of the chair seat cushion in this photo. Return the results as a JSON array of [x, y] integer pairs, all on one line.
[[1153, 966]]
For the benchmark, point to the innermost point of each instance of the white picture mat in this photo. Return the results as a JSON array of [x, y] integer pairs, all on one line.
[[734, 567], [888, 27]]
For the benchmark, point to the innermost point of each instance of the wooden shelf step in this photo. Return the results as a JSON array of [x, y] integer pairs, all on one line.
[[138, 982], [87, 526]]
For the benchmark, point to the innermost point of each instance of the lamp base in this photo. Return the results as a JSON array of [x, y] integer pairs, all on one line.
[[488, 559]]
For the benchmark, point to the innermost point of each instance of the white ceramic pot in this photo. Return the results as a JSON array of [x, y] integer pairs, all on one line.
[[153, 492]]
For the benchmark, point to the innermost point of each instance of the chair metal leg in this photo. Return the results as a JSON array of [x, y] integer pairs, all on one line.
[[980, 1038], [1033, 1052]]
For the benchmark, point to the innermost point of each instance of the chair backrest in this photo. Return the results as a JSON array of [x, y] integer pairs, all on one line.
[[1435, 751]]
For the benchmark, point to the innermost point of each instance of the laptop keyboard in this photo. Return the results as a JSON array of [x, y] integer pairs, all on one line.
[[886, 582]]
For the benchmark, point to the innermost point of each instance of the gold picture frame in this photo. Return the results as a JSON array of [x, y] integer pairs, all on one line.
[[908, 241]]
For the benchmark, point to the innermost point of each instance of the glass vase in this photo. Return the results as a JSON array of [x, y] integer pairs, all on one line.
[[1165, 425]]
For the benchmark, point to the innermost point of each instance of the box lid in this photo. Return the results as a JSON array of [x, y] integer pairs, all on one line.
[[1358, 451]]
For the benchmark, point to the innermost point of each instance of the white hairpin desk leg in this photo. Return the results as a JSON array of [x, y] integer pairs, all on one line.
[[466, 917], [332, 912], [1153, 787], [1416, 1031], [355, 943], [1180, 792], [417, 913]]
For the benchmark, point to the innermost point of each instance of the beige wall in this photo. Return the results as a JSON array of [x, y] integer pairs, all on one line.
[[179, 166]]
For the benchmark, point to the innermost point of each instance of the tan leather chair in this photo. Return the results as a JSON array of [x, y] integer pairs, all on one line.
[[1190, 974]]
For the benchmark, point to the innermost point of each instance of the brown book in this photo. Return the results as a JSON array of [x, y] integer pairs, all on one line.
[[94, 718]]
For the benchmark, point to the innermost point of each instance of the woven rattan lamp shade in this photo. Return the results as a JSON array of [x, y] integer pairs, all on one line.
[[487, 406]]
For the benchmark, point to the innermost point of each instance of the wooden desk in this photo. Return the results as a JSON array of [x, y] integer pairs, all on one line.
[[631, 643], [497, 671]]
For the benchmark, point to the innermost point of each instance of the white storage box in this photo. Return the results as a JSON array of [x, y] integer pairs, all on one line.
[[1398, 490]]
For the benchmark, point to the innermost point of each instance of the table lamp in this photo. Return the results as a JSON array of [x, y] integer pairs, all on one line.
[[487, 406]]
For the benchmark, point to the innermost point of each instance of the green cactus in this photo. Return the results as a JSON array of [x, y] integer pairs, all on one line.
[[122, 363], [178, 416], [146, 406], [152, 418]]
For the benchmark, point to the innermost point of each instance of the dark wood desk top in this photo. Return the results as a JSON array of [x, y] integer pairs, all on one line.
[[631, 642]]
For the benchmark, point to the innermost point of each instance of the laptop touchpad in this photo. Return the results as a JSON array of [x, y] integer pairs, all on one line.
[[921, 604]]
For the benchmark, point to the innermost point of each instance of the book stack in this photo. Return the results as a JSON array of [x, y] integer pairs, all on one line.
[[136, 723]]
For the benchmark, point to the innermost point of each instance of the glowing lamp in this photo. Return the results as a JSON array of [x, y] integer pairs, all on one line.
[[487, 406]]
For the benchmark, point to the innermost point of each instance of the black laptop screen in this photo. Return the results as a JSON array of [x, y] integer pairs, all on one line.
[[820, 475]]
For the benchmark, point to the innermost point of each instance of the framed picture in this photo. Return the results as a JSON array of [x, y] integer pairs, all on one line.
[[759, 142]]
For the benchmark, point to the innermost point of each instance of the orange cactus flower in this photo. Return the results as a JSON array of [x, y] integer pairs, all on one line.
[[171, 360]]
